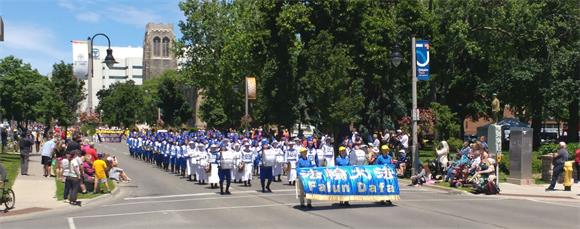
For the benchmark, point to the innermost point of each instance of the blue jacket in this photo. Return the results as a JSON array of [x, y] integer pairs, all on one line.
[[383, 160], [342, 161], [303, 162]]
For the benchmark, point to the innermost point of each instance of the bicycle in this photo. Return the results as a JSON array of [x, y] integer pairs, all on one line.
[[8, 198]]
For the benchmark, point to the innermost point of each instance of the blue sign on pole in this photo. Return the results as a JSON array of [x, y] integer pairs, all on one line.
[[422, 51]]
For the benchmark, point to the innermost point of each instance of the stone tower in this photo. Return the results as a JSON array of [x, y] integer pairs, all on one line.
[[158, 53]]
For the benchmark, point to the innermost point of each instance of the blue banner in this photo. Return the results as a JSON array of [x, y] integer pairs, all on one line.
[[346, 183], [422, 51]]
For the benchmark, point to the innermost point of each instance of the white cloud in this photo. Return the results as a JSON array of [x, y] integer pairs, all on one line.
[[132, 16], [91, 17], [34, 44]]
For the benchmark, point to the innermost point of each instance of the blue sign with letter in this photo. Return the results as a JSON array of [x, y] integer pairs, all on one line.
[[422, 53], [345, 183]]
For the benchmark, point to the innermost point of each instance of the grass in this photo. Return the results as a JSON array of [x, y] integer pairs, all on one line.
[[446, 184], [89, 195], [11, 163]]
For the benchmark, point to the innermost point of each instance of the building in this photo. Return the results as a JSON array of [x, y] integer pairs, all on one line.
[[157, 50], [129, 67]]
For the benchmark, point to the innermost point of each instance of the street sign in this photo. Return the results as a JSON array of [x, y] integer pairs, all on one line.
[[422, 52]]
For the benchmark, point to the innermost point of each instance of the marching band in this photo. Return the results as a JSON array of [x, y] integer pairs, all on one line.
[[216, 158]]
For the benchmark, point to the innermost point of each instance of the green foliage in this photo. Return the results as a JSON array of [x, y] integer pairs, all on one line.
[[327, 63], [69, 90], [454, 144], [172, 101], [88, 129], [121, 104], [445, 121], [11, 163]]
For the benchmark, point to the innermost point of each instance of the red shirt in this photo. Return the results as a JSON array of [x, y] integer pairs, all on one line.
[[92, 152], [577, 155]]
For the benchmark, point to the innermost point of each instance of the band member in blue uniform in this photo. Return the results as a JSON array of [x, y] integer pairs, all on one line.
[[226, 164], [384, 158], [304, 162], [267, 159], [342, 160]]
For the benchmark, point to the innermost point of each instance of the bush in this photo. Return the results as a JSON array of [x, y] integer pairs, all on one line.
[[88, 129], [454, 144], [552, 148]]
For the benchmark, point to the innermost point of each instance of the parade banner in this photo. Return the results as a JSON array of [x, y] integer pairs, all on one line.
[[422, 51], [251, 87], [350, 183], [80, 50], [110, 135]]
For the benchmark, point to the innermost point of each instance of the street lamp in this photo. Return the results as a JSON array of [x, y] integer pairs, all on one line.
[[109, 61], [396, 59]]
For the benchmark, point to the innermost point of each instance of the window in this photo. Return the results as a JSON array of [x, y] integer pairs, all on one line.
[[165, 47], [156, 46]]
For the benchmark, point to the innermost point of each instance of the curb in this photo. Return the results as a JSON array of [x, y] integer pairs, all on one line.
[[64, 208], [451, 190], [434, 186], [114, 192]]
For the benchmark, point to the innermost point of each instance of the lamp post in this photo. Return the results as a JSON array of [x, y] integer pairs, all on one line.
[[109, 61], [396, 59]]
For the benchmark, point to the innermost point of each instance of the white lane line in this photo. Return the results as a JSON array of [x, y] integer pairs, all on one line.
[[553, 203], [71, 223], [447, 200], [196, 199], [184, 210], [197, 194]]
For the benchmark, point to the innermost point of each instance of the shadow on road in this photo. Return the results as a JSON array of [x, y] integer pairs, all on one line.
[[338, 206]]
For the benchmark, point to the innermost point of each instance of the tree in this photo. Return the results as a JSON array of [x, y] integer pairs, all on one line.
[[172, 102], [69, 90], [21, 88], [122, 104]]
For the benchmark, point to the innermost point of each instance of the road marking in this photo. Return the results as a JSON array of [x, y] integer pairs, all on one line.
[[195, 199], [198, 194], [183, 210], [548, 202], [71, 223]]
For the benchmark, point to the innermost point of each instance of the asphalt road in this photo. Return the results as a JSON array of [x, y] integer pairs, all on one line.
[[156, 199]]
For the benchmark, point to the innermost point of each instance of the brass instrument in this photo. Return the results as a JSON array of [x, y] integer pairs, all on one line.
[[241, 167]]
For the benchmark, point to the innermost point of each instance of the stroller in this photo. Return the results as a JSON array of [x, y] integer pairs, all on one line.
[[460, 175]]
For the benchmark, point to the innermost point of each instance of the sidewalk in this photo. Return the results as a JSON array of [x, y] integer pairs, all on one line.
[[508, 189], [35, 192]]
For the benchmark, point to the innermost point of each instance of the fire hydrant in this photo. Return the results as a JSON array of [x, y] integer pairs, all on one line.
[[568, 176]]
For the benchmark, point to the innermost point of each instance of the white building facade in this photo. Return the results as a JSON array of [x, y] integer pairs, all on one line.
[[129, 67]]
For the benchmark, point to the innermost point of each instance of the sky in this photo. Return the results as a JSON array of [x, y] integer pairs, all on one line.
[[40, 31]]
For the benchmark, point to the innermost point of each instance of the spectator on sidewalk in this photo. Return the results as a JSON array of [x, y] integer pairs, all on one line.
[[73, 179], [558, 162], [4, 138], [91, 151], [100, 167], [422, 177], [115, 172], [26, 143], [59, 154], [88, 171], [46, 155], [65, 172]]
